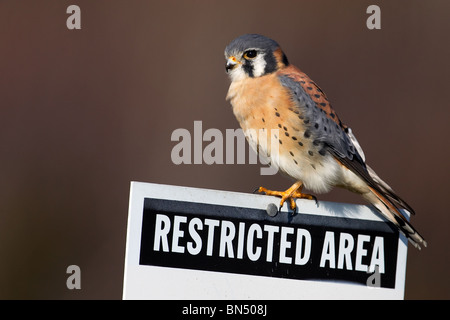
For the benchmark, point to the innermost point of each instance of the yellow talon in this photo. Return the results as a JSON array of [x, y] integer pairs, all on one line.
[[295, 191]]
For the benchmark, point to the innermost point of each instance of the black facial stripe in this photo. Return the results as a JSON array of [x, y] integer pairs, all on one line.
[[271, 63], [248, 68], [285, 60]]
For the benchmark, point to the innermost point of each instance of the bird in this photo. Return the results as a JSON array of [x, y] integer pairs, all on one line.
[[312, 145]]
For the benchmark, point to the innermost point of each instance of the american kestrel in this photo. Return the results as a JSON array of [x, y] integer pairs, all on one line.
[[314, 148]]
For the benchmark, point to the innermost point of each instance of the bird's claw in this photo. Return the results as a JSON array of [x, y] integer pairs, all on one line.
[[290, 194]]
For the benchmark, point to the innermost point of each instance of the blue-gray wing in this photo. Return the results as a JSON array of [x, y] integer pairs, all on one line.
[[317, 115], [325, 127]]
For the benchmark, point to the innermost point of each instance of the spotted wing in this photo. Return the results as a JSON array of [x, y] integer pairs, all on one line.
[[317, 115], [325, 127]]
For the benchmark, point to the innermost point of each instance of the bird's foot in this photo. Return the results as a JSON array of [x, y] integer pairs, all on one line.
[[294, 192]]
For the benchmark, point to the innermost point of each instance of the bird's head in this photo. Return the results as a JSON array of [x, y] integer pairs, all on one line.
[[253, 55]]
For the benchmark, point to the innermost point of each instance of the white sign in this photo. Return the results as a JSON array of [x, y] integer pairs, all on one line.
[[189, 243]]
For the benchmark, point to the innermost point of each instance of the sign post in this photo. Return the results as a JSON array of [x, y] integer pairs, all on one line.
[[189, 243]]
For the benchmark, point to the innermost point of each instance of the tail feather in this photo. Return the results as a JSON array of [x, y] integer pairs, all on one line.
[[384, 204], [388, 192], [382, 196]]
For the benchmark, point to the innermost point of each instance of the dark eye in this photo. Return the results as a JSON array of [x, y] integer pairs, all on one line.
[[250, 54]]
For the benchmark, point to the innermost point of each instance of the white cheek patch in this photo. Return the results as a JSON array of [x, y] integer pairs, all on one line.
[[237, 73], [259, 65]]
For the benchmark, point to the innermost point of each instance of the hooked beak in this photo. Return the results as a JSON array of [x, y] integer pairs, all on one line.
[[231, 63]]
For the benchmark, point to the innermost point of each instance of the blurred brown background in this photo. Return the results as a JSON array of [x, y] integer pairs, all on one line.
[[84, 112]]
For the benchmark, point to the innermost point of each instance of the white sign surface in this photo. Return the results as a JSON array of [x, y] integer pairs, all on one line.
[[189, 243]]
